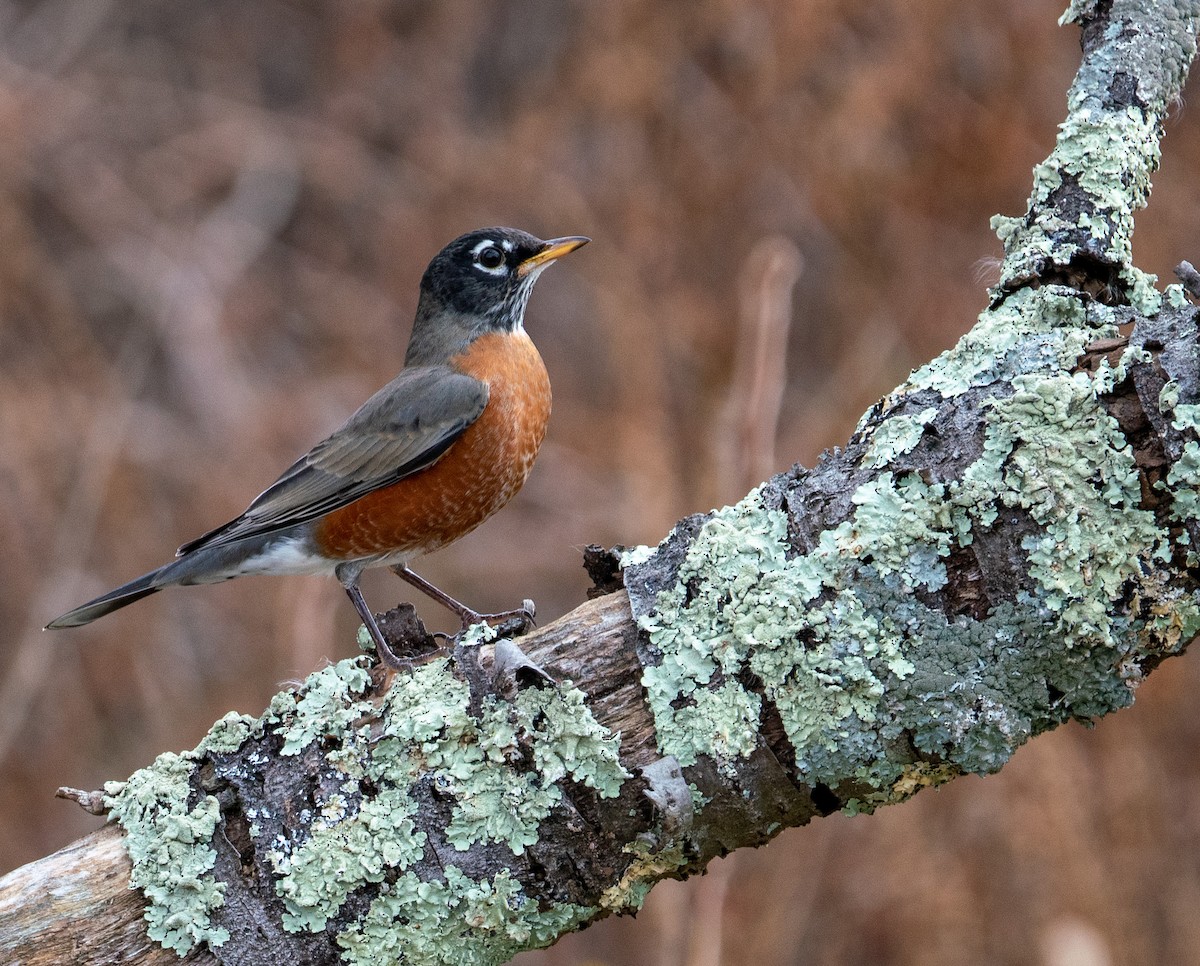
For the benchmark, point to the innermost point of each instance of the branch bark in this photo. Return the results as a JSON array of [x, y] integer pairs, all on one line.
[[1007, 542]]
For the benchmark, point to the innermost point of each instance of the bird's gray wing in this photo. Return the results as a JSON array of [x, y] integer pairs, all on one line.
[[405, 427]]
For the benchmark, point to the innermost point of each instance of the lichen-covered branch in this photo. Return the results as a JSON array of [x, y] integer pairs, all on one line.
[[1079, 226], [1008, 541]]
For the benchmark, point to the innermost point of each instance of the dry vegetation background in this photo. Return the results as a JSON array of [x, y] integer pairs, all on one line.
[[213, 218]]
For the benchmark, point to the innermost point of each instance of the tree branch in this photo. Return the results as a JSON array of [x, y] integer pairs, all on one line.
[[1006, 543]]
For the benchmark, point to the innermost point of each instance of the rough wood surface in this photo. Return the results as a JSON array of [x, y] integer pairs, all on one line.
[[76, 906]]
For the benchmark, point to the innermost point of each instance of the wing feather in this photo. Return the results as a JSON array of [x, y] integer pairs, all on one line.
[[404, 428]]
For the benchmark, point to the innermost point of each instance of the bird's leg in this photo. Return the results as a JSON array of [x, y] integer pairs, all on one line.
[[349, 580], [465, 613]]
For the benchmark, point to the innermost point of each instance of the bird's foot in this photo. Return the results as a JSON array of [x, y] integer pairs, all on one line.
[[508, 623]]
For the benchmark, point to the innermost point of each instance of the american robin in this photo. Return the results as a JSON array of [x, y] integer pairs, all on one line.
[[424, 461]]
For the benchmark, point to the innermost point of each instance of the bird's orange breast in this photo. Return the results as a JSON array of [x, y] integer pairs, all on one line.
[[478, 474]]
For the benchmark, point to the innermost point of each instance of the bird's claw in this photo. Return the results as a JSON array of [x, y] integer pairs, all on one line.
[[509, 623]]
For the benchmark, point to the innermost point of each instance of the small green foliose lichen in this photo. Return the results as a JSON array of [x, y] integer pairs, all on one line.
[[505, 771], [843, 639], [1109, 152], [342, 853], [650, 865], [1184, 482], [1176, 296], [459, 921], [227, 735], [497, 802], [1183, 479], [896, 436], [741, 604], [325, 705], [430, 735], [1031, 331], [1168, 396], [168, 846], [631, 556], [1069, 466], [1187, 417], [569, 741]]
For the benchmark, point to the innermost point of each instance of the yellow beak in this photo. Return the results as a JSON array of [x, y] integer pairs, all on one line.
[[553, 250]]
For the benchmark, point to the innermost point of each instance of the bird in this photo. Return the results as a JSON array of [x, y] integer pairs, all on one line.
[[420, 464]]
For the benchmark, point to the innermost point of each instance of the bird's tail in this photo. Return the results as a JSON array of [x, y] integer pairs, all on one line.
[[143, 586]]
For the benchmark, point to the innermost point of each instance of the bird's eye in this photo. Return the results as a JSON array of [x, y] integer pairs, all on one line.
[[490, 257]]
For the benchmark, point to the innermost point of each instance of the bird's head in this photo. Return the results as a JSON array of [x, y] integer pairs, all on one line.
[[481, 281]]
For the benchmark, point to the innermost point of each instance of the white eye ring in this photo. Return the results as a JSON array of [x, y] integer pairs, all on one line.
[[484, 253]]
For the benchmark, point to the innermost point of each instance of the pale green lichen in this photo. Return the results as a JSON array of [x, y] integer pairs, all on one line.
[[430, 735], [325, 706], [227, 735], [1107, 376], [896, 436], [1033, 330], [504, 769], [1184, 483], [842, 639], [1168, 396], [741, 604], [650, 865], [1133, 355], [458, 921], [1183, 479], [1067, 463], [913, 777], [168, 846], [1110, 153], [1187, 417], [478, 634], [569, 742], [1176, 296], [342, 853], [632, 556], [501, 803]]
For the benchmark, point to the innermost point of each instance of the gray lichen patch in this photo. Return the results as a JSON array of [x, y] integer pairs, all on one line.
[[897, 436], [1054, 452], [343, 852], [741, 604], [1183, 480], [480, 762], [329, 703], [1034, 330]]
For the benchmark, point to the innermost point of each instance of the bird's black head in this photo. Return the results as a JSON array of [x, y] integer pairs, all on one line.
[[482, 280]]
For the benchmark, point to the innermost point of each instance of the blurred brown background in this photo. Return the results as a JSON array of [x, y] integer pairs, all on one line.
[[213, 218]]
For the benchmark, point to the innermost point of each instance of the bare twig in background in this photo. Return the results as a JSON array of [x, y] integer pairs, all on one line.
[[743, 454], [765, 289]]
